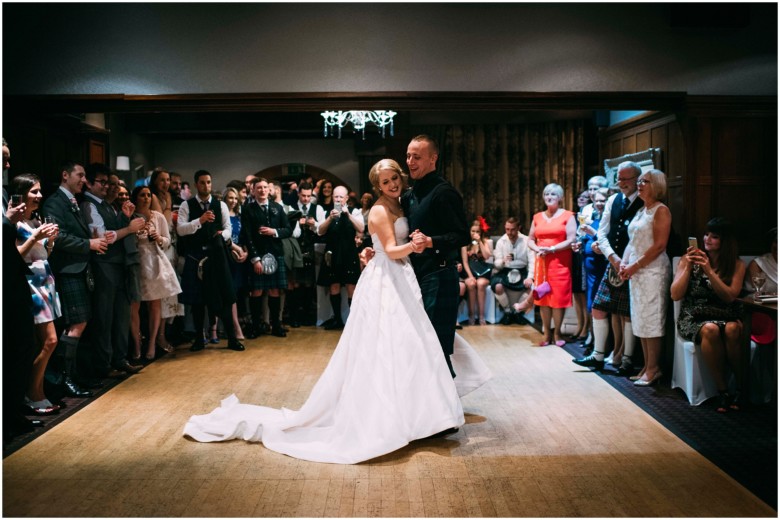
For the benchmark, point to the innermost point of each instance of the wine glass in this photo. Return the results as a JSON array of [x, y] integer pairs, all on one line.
[[758, 283], [581, 218]]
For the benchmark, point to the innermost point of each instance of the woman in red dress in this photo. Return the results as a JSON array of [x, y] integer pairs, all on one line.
[[550, 237]]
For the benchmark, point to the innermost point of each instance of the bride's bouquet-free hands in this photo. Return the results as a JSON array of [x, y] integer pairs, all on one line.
[[419, 241]]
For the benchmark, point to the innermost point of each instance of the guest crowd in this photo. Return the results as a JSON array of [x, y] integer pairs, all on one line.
[[110, 276]]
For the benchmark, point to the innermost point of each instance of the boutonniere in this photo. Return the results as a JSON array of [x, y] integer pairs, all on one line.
[[74, 209], [274, 211]]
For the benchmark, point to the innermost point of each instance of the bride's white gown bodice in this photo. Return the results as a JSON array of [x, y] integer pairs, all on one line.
[[386, 384]]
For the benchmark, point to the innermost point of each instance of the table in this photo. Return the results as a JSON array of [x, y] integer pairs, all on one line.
[[760, 371]]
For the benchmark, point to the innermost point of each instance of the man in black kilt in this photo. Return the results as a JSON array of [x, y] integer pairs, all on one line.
[[303, 281], [340, 264], [204, 227], [264, 225], [612, 296]]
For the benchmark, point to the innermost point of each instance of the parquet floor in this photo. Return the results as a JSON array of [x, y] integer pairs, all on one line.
[[543, 438]]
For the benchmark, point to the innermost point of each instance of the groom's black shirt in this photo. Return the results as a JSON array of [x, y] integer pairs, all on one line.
[[435, 207]]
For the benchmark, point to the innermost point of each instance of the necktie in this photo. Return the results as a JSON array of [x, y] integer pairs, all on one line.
[[305, 210], [205, 205], [626, 203]]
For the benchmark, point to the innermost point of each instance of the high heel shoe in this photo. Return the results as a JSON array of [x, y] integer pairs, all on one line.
[[43, 407], [482, 321], [723, 403], [150, 356], [649, 382], [471, 320]]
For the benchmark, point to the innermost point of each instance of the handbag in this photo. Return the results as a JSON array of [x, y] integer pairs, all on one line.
[[269, 263], [479, 268], [541, 289]]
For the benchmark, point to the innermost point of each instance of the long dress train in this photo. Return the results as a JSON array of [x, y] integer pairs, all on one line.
[[386, 384]]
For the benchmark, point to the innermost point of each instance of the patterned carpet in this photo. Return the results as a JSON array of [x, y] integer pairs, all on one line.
[[743, 444]]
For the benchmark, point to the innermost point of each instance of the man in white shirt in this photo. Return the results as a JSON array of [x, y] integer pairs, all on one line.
[[513, 272], [204, 221]]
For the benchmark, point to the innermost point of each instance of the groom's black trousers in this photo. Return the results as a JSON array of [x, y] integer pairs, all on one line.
[[440, 295]]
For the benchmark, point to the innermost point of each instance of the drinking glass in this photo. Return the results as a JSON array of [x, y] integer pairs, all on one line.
[[758, 283]]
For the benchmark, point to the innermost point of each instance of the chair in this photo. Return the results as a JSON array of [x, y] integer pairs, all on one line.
[[690, 373]]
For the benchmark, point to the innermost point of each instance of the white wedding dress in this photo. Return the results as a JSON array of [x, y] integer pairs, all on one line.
[[386, 384]]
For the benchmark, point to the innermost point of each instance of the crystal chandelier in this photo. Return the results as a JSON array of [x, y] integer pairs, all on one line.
[[359, 119]]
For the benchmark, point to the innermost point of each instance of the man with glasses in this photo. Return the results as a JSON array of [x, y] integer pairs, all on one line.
[[110, 300], [612, 296]]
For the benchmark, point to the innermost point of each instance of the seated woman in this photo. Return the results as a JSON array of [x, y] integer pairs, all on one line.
[[763, 328], [708, 283], [474, 258]]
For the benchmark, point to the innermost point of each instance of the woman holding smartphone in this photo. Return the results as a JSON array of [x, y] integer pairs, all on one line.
[[708, 283]]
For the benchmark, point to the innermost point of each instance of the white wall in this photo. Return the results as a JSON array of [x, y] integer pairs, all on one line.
[[179, 48], [235, 159]]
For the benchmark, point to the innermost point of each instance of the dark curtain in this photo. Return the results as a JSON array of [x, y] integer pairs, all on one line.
[[501, 170]]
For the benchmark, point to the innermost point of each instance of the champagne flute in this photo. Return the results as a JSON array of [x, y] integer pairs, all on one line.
[[758, 283]]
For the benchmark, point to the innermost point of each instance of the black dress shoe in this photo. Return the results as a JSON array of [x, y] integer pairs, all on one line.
[[198, 344], [507, 319], [127, 368], [295, 324], [279, 332], [90, 382], [334, 325], [71, 389], [458, 326], [589, 362], [626, 369], [236, 345]]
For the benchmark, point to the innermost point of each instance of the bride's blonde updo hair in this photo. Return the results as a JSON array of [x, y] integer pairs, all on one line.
[[386, 164]]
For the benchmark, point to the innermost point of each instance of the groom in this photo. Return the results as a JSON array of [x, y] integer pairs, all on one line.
[[435, 212]]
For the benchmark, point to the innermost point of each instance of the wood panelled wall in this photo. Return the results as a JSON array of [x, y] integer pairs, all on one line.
[[720, 157], [653, 130]]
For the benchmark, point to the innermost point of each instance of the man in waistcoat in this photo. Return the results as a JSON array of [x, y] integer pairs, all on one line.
[[203, 226], [70, 261], [435, 212], [110, 301], [612, 296], [303, 296], [264, 224]]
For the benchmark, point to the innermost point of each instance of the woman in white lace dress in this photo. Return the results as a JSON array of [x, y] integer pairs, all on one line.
[[647, 267], [158, 279]]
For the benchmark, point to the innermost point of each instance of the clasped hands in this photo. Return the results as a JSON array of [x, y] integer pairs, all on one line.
[[418, 240]]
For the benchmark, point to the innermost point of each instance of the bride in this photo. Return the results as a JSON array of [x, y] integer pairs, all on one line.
[[387, 382]]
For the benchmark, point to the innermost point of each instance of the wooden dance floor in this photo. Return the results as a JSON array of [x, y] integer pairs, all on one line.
[[542, 438]]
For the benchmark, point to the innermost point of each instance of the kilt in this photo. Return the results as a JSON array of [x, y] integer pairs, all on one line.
[[191, 285], [304, 276], [502, 277], [579, 280], [278, 280], [75, 297], [614, 300]]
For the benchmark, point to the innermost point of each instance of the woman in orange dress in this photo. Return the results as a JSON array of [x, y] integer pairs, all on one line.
[[550, 237]]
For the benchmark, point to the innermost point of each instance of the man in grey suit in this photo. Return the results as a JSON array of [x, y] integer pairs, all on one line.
[[70, 262], [110, 299]]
